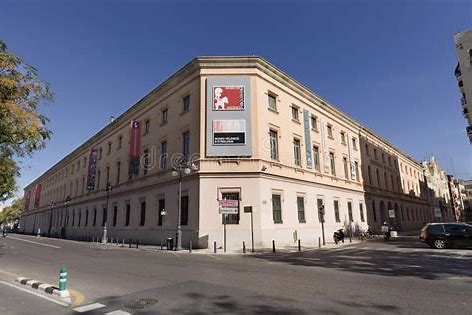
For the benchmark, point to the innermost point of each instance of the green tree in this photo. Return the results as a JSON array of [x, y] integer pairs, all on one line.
[[12, 213], [22, 128]]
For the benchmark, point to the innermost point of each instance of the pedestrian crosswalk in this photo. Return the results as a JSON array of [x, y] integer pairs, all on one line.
[[96, 306]]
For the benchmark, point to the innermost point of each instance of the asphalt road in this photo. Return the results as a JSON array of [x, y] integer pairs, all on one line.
[[402, 277]]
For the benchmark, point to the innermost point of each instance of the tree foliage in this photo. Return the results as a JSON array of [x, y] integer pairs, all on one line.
[[12, 213], [22, 128]]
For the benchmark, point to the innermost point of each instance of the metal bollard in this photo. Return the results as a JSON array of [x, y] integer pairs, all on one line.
[[190, 247], [319, 242], [244, 247], [273, 246], [299, 246], [214, 247], [63, 279], [137, 243], [129, 242], [122, 242]]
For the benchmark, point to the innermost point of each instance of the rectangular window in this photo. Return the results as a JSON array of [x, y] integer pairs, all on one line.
[[336, 211], [374, 212], [165, 116], [319, 204], [354, 143], [369, 174], [332, 163], [274, 145], [272, 102], [330, 131], [277, 208], [230, 218], [349, 211], [115, 213], [147, 126], [162, 207], [127, 214], [301, 209], [346, 168], [314, 124], [143, 214], [118, 171], [109, 148], [145, 162], [86, 217], [375, 153], [184, 207], [295, 113], [296, 152], [163, 161], [343, 137], [186, 144], [108, 175], [367, 151], [104, 216], [120, 140], [316, 158], [94, 216], [361, 211], [356, 170], [186, 103]]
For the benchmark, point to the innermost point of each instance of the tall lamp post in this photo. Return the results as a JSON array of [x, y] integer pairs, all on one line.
[[187, 167], [108, 190]]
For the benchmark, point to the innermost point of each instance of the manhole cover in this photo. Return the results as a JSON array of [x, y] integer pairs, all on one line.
[[140, 303]]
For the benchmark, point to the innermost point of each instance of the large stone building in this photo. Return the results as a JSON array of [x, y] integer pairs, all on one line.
[[463, 74], [439, 191], [257, 138]]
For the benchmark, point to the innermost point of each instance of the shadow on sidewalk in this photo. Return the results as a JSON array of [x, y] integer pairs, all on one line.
[[388, 260]]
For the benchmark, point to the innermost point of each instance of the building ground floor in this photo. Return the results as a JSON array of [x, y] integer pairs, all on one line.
[[284, 210]]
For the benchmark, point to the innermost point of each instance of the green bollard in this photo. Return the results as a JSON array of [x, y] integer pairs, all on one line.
[[63, 279]]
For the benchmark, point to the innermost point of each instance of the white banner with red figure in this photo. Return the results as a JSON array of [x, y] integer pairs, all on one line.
[[228, 98]]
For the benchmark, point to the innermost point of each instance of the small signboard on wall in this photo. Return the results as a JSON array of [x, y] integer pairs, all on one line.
[[228, 206], [391, 213]]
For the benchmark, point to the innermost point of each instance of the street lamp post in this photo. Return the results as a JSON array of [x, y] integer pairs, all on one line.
[[108, 190], [186, 167]]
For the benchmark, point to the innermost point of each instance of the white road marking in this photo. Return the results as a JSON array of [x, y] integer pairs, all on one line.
[[118, 312], [89, 307], [35, 293], [33, 242]]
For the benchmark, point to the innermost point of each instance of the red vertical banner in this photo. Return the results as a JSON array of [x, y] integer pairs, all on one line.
[[27, 199], [37, 195], [134, 146]]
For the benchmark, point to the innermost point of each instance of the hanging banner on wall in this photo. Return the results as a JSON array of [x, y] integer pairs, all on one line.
[[27, 199], [228, 116], [92, 168], [37, 195], [326, 163], [134, 146], [231, 131], [351, 158], [228, 97], [307, 127]]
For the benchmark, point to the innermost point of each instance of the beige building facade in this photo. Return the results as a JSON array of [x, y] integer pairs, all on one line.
[[257, 137]]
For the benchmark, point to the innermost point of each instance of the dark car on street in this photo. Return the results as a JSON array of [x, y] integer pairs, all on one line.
[[443, 235]]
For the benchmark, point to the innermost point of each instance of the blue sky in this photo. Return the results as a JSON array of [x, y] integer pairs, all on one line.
[[388, 64]]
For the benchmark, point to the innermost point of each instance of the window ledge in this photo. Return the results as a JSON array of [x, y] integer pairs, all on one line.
[[296, 121], [275, 111], [278, 222]]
